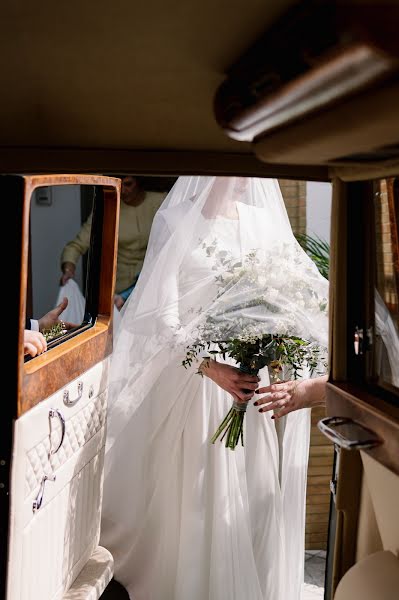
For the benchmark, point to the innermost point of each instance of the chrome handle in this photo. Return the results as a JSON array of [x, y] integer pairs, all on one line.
[[39, 498], [66, 398], [54, 412], [348, 434], [358, 341]]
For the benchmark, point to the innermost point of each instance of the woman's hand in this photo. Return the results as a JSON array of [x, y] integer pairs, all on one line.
[[240, 385], [292, 395]]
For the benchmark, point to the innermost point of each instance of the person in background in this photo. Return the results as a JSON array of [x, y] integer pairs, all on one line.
[[137, 210]]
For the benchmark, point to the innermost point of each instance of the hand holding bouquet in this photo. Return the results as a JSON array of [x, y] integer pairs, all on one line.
[[252, 355], [257, 318]]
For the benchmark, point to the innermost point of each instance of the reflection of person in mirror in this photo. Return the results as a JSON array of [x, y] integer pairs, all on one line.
[[49, 319], [137, 210], [34, 341]]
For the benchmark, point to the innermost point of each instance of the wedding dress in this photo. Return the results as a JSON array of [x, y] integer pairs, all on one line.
[[184, 518]]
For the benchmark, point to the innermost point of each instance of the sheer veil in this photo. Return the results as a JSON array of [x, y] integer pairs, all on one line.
[[184, 518], [215, 221]]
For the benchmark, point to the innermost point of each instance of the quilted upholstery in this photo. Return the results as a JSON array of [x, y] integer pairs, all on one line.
[[79, 430], [49, 548]]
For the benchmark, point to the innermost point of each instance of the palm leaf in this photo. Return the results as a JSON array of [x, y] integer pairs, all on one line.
[[318, 250]]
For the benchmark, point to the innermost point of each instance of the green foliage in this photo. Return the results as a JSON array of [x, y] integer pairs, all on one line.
[[252, 355], [53, 332], [318, 250]]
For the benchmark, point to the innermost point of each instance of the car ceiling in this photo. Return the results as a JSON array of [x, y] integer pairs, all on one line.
[[122, 75]]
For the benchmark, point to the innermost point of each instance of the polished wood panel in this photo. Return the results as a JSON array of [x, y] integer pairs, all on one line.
[[348, 400], [57, 367], [43, 376]]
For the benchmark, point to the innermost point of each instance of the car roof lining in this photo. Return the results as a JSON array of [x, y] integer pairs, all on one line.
[[122, 75]]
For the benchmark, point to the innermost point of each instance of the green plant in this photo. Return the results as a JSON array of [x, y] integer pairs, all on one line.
[[318, 250], [54, 331]]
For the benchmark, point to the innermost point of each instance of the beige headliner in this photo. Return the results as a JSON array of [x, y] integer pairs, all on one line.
[[122, 74]]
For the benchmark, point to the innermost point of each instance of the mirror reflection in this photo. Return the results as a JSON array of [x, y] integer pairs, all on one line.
[[387, 282], [53, 309], [61, 258]]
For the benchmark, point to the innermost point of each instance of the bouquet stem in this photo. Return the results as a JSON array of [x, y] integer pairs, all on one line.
[[232, 426]]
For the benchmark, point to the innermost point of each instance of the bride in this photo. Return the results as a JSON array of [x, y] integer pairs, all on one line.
[[185, 519]]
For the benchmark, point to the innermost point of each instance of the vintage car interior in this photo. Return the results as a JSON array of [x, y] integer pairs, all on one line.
[[304, 90]]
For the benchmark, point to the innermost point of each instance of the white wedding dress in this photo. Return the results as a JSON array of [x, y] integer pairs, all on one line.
[[188, 520]]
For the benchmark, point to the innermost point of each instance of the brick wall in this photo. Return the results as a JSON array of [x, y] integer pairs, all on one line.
[[321, 456], [294, 194], [321, 451], [386, 246]]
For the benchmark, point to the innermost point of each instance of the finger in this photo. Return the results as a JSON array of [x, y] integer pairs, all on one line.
[[279, 404], [264, 400], [272, 397], [282, 412], [62, 305], [68, 325], [40, 347], [274, 387], [263, 390], [40, 344], [30, 349]]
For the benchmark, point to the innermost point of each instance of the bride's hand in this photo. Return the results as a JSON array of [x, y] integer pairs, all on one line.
[[240, 385], [292, 395]]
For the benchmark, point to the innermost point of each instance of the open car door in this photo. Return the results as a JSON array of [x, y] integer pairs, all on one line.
[[53, 440]]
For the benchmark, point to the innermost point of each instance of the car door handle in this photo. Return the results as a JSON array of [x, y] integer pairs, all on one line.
[[39, 498], [72, 401], [348, 434], [54, 412]]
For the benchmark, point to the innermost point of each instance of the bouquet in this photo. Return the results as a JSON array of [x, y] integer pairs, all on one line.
[[255, 318], [275, 351]]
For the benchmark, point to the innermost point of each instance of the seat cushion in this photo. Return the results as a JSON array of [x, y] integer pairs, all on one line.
[[376, 577]]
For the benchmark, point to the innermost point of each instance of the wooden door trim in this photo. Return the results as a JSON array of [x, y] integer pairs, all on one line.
[[47, 373]]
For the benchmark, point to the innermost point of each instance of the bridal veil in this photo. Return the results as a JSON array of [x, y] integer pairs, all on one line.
[[184, 518]]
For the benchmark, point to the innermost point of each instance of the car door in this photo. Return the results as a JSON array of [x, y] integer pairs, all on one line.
[[52, 446], [363, 392]]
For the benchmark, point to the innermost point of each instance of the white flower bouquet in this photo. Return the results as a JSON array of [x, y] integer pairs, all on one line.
[[254, 321]]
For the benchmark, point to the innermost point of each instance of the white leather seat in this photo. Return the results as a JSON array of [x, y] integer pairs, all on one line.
[[376, 577]]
